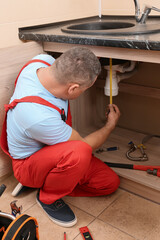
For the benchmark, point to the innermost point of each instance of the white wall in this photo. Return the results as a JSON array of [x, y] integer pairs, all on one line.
[[21, 13], [126, 7]]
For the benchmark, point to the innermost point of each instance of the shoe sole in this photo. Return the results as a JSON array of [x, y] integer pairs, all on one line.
[[17, 190], [60, 223]]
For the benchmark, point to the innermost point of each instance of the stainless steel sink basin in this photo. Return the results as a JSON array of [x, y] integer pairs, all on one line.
[[103, 27]]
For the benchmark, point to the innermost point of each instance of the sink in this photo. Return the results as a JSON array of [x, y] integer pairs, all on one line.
[[103, 27], [98, 26]]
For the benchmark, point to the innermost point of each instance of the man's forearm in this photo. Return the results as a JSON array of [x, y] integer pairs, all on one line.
[[97, 138]]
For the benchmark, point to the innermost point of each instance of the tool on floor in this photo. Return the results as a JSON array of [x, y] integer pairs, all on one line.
[[86, 233], [155, 170], [23, 227], [141, 146], [15, 210], [107, 149], [64, 235], [133, 148], [2, 189]]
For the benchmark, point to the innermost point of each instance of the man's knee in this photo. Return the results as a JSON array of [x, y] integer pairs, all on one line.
[[83, 150], [110, 183], [83, 154]]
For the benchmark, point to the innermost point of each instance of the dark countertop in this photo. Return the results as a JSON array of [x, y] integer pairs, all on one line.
[[52, 33]]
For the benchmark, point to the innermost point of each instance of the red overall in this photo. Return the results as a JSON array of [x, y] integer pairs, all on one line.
[[67, 168]]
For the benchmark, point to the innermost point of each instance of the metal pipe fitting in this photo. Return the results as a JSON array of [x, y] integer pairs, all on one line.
[[133, 148]]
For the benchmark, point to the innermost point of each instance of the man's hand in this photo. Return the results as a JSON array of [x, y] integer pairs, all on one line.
[[112, 115], [97, 138]]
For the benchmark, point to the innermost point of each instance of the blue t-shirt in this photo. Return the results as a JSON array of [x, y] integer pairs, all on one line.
[[31, 126]]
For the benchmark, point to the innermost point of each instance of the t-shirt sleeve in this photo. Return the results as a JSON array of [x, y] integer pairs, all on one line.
[[50, 131], [45, 57]]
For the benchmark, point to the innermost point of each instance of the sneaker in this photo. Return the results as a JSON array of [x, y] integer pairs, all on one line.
[[59, 212]]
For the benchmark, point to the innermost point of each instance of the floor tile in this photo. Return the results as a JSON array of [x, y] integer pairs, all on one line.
[[93, 205], [120, 216], [154, 234], [49, 230], [102, 231], [26, 199], [133, 215]]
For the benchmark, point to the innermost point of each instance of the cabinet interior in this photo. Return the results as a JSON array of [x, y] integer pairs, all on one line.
[[88, 113]]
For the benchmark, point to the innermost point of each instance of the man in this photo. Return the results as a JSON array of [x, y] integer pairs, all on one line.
[[47, 153]]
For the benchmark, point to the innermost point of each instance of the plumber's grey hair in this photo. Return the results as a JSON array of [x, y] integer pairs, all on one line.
[[77, 65]]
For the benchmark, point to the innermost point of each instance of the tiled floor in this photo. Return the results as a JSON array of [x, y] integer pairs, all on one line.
[[120, 216]]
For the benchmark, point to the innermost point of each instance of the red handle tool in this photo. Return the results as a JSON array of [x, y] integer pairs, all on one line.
[[155, 170]]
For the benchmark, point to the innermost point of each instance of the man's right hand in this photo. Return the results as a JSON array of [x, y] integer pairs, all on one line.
[[112, 115], [97, 138]]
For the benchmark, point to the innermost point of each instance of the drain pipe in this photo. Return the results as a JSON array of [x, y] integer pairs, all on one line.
[[119, 72]]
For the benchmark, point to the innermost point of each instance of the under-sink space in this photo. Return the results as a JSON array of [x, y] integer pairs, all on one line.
[[88, 113]]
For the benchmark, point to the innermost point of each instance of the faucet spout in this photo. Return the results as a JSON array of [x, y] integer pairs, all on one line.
[[142, 18], [137, 10]]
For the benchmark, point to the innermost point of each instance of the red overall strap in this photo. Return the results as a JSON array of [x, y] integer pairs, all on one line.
[[32, 61], [69, 116], [39, 100], [34, 99]]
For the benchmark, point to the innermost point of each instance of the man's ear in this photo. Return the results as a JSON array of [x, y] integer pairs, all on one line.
[[73, 88]]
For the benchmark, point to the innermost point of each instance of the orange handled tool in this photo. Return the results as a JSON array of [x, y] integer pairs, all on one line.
[[155, 170]]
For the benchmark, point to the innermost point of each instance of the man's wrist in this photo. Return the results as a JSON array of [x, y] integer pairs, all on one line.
[[110, 126]]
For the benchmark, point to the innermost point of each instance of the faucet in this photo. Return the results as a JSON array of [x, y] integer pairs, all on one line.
[[142, 19]]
